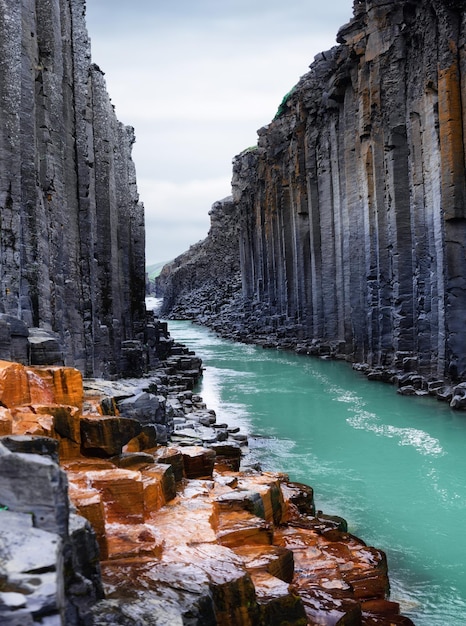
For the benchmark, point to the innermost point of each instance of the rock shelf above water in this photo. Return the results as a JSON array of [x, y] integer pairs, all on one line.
[[183, 535]]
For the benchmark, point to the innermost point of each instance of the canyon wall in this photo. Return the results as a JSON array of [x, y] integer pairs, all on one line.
[[72, 228], [352, 207], [203, 280]]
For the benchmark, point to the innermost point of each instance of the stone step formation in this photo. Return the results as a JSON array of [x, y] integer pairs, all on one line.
[[121, 503]]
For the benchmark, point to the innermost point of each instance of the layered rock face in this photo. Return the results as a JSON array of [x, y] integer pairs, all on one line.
[[352, 207], [72, 228]]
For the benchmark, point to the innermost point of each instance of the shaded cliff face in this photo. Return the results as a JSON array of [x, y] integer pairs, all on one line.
[[72, 228], [352, 208], [201, 282]]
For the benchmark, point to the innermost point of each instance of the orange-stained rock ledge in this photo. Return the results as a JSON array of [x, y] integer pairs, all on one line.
[[176, 522]]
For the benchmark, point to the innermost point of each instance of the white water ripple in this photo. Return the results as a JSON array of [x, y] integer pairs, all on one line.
[[362, 419], [418, 439]]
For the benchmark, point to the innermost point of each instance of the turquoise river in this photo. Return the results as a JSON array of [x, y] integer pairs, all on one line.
[[393, 466]]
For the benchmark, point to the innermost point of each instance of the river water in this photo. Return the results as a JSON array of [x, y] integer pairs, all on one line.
[[394, 467]]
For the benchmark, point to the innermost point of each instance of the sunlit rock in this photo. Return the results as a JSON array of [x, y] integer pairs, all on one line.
[[89, 505], [131, 540], [122, 494], [274, 560], [65, 384], [239, 528], [163, 475], [14, 384], [268, 486], [6, 422]]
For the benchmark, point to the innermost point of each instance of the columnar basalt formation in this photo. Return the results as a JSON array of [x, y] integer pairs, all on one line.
[[72, 227], [352, 206], [157, 534], [205, 278]]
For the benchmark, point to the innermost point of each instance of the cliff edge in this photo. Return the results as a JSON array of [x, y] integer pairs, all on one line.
[[351, 210], [72, 226]]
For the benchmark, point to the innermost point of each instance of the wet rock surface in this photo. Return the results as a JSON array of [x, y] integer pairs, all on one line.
[[164, 534]]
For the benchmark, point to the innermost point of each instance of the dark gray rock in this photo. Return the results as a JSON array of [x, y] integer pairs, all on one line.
[[106, 435], [31, 444], [205, 278], [72, 234], [145, 407], [44, 348], [34, 484], [350, 212]]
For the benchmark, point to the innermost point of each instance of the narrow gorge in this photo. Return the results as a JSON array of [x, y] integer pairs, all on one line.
[[347, 220], [123, 499]]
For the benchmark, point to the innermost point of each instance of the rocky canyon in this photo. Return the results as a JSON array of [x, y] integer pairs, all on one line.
[[123, 499], [347, 220]]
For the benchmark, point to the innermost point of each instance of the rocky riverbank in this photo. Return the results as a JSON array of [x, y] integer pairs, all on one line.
[[347, 219], [128, 503], [239, 320]]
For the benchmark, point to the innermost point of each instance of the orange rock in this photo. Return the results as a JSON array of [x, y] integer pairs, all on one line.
[[298, 500], [322, 607], [102, 434], [154, 498], [170, 456], [278, 604], [184, 521], [79, 467], [198, 461], [163, 474], [239, 500], [231, 586], [66, 420], [64, 383], [274, 560], [89, 504], [122, 493], [27, 422], [6, 422], [267, 484], [14, 384], [239, 528], [132, 540]]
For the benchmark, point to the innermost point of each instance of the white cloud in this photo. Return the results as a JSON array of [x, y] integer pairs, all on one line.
[[197, 79], [177, 213]]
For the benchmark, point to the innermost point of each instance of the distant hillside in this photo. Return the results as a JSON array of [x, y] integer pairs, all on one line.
[[154, 270]]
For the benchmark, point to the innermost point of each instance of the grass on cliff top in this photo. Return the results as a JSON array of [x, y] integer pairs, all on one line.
[[154, 270]]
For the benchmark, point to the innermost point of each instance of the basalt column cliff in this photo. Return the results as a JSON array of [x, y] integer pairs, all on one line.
[[352, 207], [72, 229]]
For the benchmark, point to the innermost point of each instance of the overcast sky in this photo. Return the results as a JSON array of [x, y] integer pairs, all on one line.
[[197, 79]]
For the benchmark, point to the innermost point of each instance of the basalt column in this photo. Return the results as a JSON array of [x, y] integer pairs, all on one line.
[[72, 233], [352, 207]]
